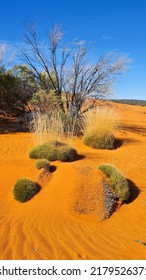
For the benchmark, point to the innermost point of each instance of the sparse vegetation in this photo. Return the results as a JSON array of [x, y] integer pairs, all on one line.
[[67, 153], [54, 125], [25, 189], [45, 151], [56, 83], [54, 150], [117, 181], [68, 72], [43, 163], [47, 126], [14, 93], [100, 126], [136, 102]]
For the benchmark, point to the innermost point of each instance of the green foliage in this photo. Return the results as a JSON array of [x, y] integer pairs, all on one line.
[[46, 101], [53, 150], [117, 181], [25, 189], [43, 163], [57, 144], [67, 153], [107, 169], [98, 142], [14, 93], [44, 151]]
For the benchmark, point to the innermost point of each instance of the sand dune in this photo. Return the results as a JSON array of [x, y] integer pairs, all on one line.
[[49, 226]]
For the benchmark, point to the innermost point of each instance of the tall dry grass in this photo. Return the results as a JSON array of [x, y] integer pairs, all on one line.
[[53, 126], [46, 128], [99, 128]]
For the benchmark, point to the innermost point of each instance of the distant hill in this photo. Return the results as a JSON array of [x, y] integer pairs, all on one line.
[[130, 101]]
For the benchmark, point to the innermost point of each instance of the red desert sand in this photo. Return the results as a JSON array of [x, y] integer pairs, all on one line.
[[63, 221]]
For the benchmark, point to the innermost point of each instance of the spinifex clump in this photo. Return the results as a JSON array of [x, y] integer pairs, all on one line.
[[54, 150], [117, 181], [25, 189], [99, 128]]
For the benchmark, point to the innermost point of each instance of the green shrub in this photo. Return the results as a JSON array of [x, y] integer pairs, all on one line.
[[57, 144], [99, 142], [42, 163], [45, 151], [107, 169], [25, 189], [67, 153], [54, 150], [117, 181]]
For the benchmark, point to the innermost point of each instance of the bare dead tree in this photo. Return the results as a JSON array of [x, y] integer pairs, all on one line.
[[67, 70]]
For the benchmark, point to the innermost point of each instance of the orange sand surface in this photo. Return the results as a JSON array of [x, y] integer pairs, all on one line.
[[48, 226]]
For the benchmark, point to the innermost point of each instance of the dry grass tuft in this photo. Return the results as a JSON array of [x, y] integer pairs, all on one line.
[[100, 126], [47, 128], [53, 126]]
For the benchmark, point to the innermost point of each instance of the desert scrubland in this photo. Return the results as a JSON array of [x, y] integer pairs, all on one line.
[[50, 225]]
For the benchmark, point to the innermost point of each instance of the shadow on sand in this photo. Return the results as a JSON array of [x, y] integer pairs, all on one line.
[[134, 191], [79, 157], [53, 168], [135, 128]]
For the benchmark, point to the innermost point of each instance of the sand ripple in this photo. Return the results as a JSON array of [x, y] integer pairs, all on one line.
[[47, 227]]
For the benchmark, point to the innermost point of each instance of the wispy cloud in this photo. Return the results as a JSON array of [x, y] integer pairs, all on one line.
[[105, 37], [81, 42]]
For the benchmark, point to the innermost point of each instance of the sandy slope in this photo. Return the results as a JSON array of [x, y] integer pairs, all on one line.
[[47, 227]]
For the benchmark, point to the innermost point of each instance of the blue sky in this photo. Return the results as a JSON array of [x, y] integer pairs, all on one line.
[[109, 24]]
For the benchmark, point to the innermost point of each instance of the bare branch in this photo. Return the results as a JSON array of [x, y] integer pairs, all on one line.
[[3, 49], [67, 70]]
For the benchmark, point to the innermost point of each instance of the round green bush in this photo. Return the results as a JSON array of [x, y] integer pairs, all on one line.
[[25, 189], [96, 142], [52, 151], [67, 153], [42, 163], [117, 181], [45, 151], [57, 143]]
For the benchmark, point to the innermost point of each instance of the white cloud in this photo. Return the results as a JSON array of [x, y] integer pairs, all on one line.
[[105, 37]]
